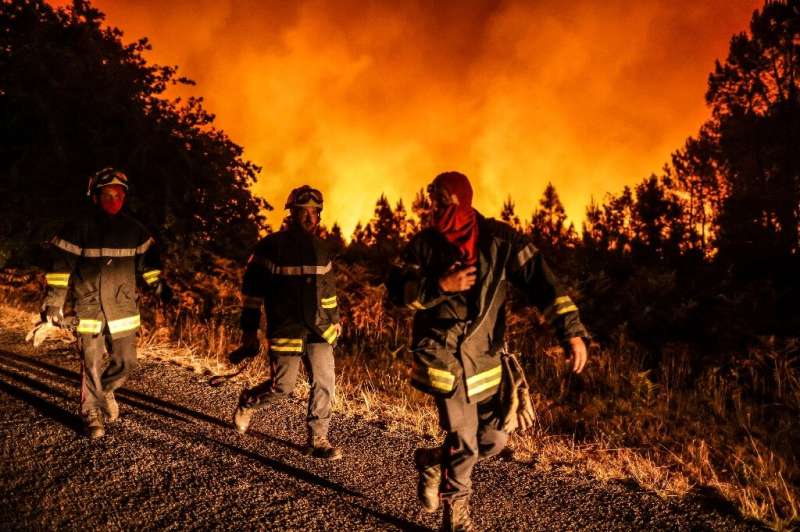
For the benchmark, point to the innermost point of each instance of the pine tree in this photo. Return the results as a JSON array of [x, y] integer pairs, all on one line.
[[509, 216], [548, 228], [421, 208]]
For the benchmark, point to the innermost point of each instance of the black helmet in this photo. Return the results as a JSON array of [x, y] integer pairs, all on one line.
[[304, 196], [105, 177]]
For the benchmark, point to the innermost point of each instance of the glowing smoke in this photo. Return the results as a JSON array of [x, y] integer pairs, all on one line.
[[360, 98]]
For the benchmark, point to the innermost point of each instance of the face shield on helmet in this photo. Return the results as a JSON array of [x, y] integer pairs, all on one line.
[[105, 177], [304, 196], [305, 204]]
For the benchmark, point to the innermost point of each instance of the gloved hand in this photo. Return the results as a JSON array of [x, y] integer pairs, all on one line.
[[164, 293], [249, 348], [515, 397], [53, 315], [40, 332]]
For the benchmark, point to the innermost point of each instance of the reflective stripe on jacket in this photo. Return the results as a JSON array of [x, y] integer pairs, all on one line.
[[290, 272], [457, 336], [100, 257]]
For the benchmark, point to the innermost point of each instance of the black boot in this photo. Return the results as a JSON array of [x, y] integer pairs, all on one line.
[[320, 447], [93, 423], [428, 462], [456, 516]]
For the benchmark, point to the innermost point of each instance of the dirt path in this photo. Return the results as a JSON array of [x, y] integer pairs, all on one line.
[[173, 462]]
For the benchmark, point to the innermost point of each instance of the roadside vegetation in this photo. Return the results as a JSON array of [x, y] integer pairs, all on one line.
[[727, 434]]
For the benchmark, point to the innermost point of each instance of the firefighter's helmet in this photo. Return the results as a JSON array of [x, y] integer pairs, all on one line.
[[304, 196], [105, 177]]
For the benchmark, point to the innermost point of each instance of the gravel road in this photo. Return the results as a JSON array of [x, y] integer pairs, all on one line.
[[173, 462]]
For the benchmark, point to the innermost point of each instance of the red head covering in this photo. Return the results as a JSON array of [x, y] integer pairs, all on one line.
[[458, 221], [112, 205]]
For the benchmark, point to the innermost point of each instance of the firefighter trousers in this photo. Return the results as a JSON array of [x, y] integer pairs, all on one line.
[[319, 365], [95, 382], [473, 432]]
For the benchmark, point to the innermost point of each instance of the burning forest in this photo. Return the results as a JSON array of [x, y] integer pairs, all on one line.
[[390, 243]]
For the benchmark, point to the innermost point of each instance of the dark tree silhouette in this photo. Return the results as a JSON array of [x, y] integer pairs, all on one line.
[[73, 99], [509, 216], [700, 187], [401, 223], [656, 222], [334, 238], [548, 227], [754, 97], [421, 209]]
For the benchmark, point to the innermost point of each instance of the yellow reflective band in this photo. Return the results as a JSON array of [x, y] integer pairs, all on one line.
[[329, 302], [564, 310], [485, 386], [330, 334], [89, 326], [286, 345], [151, 276], [416, 305], [124, 324], [561, 305], [57, 279], [251, 302], [484, 380], [287, 348], [434, 378], [286, 341]]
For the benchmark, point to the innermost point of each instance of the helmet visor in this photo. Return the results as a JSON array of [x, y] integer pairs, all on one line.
[[309, 197]]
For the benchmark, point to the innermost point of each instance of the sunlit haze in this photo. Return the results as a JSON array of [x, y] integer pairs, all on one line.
[[363, 98]]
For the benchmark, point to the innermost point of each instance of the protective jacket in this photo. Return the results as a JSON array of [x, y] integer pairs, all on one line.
[[290, 272], [457, 336], [101, 257]]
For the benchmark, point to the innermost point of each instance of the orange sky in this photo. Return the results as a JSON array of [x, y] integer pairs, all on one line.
[[359, 98]]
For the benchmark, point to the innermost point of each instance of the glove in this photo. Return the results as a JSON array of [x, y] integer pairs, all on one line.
[[52, 315], [517, 409], [164, 293], [40, 332]]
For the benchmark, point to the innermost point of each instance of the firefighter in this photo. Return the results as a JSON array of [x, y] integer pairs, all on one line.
[[98, 259], [455, 275], [290, 273]]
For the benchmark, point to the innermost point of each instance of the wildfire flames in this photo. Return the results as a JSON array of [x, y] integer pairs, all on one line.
[[364, 98]]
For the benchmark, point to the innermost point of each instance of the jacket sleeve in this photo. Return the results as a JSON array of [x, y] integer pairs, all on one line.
[[253, 291], [148, 261], [329, 300], [64, 251], [529, 272], [410, 283]]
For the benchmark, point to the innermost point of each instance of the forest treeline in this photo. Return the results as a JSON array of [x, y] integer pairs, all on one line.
[[706, 251]]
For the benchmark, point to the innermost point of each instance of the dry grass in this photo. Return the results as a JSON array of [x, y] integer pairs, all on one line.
[[675, 429]]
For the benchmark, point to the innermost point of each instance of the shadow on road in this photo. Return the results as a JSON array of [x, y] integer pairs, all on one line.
[[150, 403], [54, 412], [163, 408]]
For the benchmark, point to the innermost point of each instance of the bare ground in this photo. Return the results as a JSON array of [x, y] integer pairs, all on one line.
[[173, 462]]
